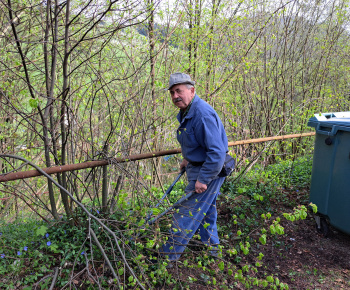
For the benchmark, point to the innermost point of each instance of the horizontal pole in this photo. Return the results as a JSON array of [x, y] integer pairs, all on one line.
[[92, 164], [266, 139]]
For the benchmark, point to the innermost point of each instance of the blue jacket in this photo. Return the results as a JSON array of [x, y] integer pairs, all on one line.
[[202, 137]]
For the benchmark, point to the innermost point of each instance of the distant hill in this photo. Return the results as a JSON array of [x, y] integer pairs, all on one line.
[[161, 32]]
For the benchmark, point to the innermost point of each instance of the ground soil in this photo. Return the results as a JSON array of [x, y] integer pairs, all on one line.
[[303, 258], [308, 260], [307, 257]]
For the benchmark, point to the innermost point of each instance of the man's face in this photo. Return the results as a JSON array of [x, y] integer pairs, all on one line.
[[181, 95]]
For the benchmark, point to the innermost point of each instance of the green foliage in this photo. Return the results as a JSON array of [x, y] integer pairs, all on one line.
[[254, 195], [33, 103], [274, 184], [71, 243], [26, 253], [260, 83]]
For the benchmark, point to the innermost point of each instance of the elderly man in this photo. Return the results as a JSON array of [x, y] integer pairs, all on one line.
[[204, 145]]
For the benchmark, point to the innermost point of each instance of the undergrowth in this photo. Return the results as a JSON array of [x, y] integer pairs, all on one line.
[[250, 212]]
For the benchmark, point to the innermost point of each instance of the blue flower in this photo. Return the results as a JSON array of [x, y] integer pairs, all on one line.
[[0, 234], [48, 243], [46, 235], [65, 231], [25, 248], [82, 253], [19, 253], [2, 256], [97, 211]]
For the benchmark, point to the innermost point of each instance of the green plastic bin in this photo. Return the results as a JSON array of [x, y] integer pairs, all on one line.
[[330, 180]]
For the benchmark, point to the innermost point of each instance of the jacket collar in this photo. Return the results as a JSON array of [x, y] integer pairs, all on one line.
[[191, 111]]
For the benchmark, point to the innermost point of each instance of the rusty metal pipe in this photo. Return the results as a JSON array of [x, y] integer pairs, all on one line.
[[91, 164], [265, 139], [84, 165]]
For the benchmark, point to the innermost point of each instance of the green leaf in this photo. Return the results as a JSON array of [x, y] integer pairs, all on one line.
[[33, 103], [280, 229], [54, 248], [241, 190], [261, 255], [41, 231], [277, 281], [314, 207], [303, 215], [221, 265], [264, 283], [262, 239], [155, 211], [141, 222], [232, 251]]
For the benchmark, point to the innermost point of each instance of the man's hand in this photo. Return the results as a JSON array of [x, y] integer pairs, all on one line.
[[200, 187], [183, 164]]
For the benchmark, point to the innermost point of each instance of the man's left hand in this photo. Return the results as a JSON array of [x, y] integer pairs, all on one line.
[[200, 187]]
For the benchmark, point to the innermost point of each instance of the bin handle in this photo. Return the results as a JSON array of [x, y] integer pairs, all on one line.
[[328, 133], [334, 131]]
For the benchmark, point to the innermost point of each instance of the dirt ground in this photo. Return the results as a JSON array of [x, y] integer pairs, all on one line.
[[308, 260], [303, 258]]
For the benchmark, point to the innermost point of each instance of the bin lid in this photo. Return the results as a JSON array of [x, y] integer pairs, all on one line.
[[330, 119]]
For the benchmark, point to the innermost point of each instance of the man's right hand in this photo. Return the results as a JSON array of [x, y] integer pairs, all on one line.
[[183, 164]]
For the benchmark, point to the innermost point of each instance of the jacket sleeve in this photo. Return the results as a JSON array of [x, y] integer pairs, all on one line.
[[209, 136]]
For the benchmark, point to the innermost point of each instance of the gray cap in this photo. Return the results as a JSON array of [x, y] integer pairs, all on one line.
[[179, 78]]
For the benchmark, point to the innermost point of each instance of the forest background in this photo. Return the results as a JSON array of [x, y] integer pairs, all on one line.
[[85, 80]]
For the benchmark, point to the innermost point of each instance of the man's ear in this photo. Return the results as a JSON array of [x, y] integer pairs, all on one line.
[[192, 90]]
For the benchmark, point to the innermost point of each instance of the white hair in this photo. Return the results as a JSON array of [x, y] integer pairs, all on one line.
[[189, 86]]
